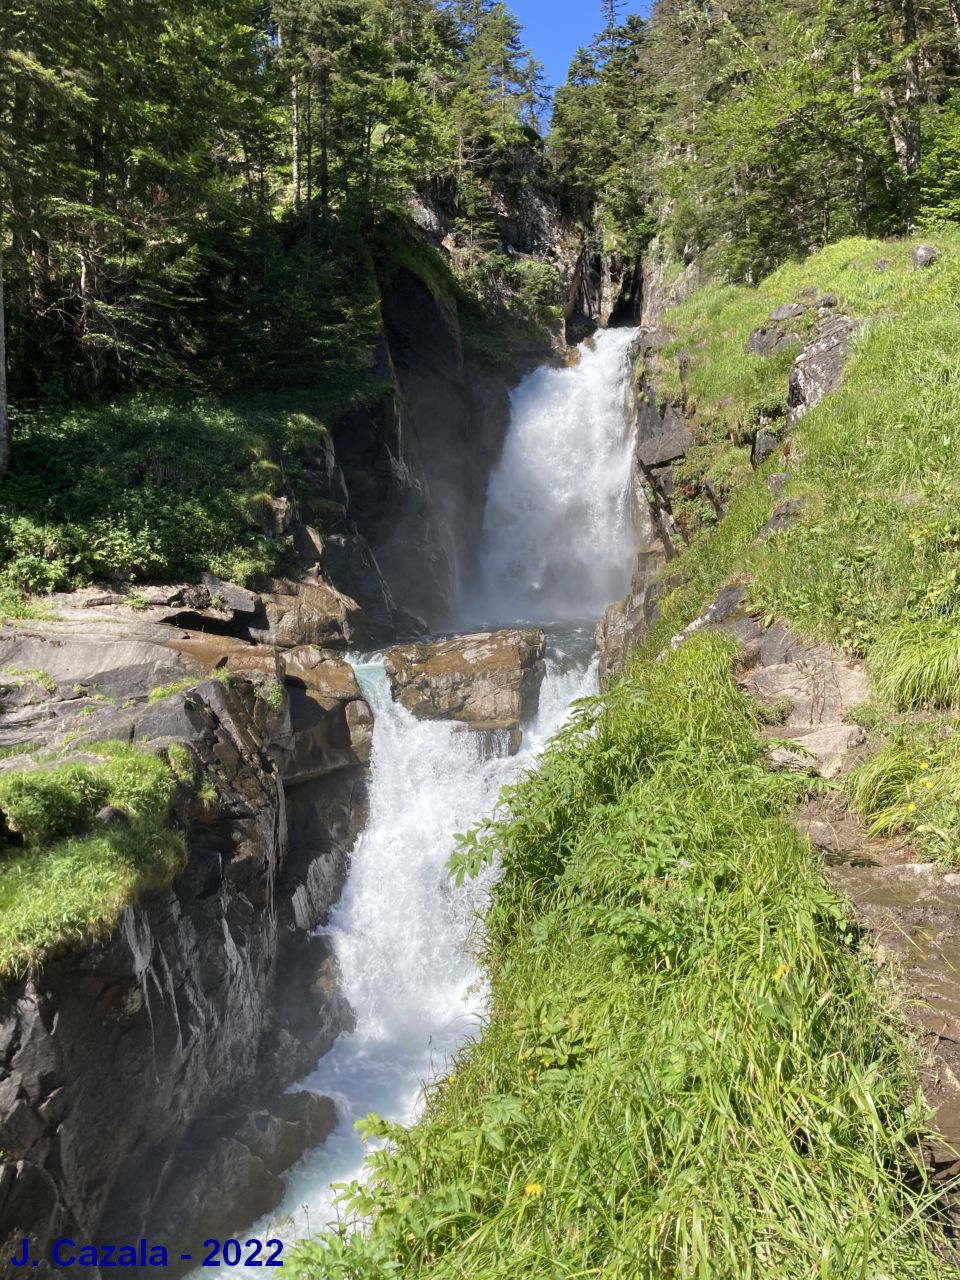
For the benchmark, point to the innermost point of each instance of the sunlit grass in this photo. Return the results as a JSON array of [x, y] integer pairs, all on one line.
[[688, 1058], [63, 878]]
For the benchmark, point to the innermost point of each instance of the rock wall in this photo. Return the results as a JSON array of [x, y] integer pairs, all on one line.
[[665, 432], [417, 463], [141, 1078]]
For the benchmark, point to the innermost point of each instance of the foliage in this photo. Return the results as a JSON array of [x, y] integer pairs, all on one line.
[[749, 132], [144, 488], [686, 1068], [912, 787], [62, 882], [193, 191], [916, 664]]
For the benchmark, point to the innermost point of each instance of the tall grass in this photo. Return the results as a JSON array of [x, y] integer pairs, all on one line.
[[916, 664], [689, 1069], [911, 787]]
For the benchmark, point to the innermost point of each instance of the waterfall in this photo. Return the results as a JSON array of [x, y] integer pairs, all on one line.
[[401, 928], [557, 547], [558, 540]]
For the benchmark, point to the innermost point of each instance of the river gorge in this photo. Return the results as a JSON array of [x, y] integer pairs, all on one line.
[[313, 962]]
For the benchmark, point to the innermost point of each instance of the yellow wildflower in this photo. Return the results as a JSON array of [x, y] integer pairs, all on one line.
[[928, 785], [544, 1062], [911, 808], [925, 765], [781, 973], [533, 1189], [531, 1075], [451, 1079]]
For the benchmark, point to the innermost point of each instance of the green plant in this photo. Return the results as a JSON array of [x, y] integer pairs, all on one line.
[[271, 692], [168, 690], [182, 762], [43, 805], [912, 787], [916, 664], [66, 883], [36, 676], [689, 1066]]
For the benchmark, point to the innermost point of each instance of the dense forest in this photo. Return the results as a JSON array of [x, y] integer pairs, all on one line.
[[197, 198], [188, 189]]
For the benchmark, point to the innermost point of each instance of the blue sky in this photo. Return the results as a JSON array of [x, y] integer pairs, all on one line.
[[555, 29]]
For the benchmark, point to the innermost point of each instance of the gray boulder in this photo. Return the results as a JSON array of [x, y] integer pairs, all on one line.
[[788, 311], [351, 566], [770, 339], [924, 255], [819, 368], [668, 447], [764, 444]]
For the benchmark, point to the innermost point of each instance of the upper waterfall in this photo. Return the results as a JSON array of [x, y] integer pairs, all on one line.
[[557, 541]]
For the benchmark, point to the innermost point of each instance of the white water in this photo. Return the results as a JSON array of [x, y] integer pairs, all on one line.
[[558, 540], [401, 927], [557, 545]]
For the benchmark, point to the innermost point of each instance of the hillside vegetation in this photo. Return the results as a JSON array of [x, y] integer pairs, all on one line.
[[690, 1065]]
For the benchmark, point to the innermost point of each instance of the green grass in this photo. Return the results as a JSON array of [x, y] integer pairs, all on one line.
[[689, 1067], [168, 690], [911, 788], [62, 880], [879, 543], [35, 676], [916, 664]]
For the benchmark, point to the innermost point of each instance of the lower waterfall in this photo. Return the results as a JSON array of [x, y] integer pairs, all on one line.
[[401, 928]]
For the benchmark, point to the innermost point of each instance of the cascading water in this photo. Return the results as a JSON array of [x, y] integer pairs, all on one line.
[[557, 544], [401, 927], [558, 539]]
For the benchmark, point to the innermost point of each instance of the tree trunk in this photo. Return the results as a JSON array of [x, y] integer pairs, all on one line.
[[955, 15], [309, 162], [295, 140], [4, 417], [860, 167], [912, 94]]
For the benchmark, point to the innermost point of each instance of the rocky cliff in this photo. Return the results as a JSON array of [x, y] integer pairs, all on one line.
[[668, 429], [142, 1076]]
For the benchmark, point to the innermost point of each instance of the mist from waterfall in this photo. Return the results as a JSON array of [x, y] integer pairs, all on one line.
[[558, 541]]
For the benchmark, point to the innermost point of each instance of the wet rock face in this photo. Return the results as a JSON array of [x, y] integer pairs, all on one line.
[[331, 724], [489, 681]]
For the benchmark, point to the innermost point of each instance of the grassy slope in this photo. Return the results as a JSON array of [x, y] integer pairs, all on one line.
[[690, 1068], [63, 879]]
